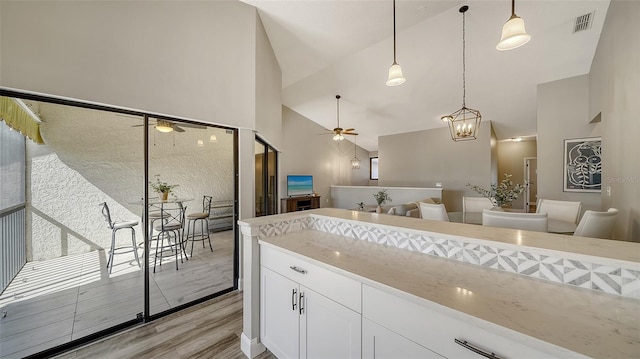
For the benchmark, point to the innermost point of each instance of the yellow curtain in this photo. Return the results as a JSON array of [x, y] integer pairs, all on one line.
[[18, 119]]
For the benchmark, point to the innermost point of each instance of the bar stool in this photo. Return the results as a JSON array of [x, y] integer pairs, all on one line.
[[203, 217], [171, 228], [115, 226]]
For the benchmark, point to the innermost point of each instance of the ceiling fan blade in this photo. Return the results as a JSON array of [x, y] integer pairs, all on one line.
[[350, 133], [177, 128], [349, 129], [190, 125]]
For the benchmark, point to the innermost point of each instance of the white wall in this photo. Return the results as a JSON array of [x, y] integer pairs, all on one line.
[[183, 58], [614, 90], [423, 158], [308, 150], [268, 90], [563, 113]]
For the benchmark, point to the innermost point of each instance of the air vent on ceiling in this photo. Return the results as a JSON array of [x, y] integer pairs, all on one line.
[[583, 22]]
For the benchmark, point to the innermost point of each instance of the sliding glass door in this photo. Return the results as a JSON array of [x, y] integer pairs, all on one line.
[[266, 165], [99, 247]]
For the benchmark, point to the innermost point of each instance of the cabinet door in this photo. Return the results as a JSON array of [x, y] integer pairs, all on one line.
[[381, 343], [279, 316], [328, 329]]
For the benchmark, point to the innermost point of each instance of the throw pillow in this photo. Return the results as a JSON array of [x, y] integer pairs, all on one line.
[[402, 209]]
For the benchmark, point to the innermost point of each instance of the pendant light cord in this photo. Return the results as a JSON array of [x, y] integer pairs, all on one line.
[[513, 7], [464, 67], [338, 109], [394, 32]]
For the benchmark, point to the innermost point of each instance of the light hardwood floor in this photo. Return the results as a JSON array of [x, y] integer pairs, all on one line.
[[207, 330], [53, 302]]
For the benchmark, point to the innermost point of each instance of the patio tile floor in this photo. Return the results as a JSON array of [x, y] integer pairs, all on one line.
[[51, 302]]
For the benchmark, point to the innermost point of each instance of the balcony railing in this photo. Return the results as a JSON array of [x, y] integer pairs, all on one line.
[[13, 247]]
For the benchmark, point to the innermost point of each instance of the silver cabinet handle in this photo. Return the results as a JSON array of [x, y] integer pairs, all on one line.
[[293, 299], [476, 350], [301, 306], [299, 270]]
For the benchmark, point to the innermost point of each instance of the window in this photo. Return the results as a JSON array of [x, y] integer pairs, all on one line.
[[373, 165]]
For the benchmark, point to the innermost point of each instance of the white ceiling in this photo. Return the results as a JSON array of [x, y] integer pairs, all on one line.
[[329, 47]]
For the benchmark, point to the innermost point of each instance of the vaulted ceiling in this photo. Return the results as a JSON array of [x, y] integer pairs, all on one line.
[[329, 47]]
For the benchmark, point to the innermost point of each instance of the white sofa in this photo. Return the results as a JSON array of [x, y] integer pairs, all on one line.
[[410, 209]]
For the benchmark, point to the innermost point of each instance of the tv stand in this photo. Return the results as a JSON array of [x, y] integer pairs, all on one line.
[[293, 204]]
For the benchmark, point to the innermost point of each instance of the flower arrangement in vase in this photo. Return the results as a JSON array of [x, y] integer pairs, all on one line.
[[381, 198], [502, 194], [163, 188]]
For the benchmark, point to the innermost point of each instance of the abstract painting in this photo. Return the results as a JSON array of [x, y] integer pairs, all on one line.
[[583, 165]]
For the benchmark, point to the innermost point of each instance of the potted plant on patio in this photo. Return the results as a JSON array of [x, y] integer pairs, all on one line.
[[502, 194], [163, 188], [381, 198]]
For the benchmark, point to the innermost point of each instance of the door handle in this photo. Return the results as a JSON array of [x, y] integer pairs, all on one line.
[[476, 350], [293, 299], [299, 270], [301, 306]]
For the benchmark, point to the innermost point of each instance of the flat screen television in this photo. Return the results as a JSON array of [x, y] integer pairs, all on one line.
[[299, 185]]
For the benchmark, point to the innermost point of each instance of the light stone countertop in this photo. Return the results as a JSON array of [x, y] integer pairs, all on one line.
[[591, 323], [616, 250]]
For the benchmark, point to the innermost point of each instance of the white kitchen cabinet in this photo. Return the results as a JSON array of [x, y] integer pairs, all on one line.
[[379, 342], [297, 321], [279, 322], [437, 331]]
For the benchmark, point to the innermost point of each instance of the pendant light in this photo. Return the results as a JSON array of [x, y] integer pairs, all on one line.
[[464, 123], [395, 71], [513, 32], [355, 162]]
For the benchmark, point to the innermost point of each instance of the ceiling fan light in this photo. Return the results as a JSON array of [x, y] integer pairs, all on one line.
[[514, 34], [395, 75], [338, 137], [164, 128]]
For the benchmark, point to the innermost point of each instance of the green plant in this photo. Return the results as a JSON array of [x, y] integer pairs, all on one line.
[[500, 194], [382, 197], [161, 187]]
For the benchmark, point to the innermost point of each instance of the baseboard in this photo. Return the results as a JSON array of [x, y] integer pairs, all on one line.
[[250, 347]]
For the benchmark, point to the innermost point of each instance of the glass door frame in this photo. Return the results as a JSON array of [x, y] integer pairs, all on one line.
[[144, 316], [265, 177]]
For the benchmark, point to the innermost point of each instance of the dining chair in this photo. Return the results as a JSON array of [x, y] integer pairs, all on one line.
[[597, 224], [171, 228], [434, 212], [526, 221], [115, 227], [474, 204], [203, 218], [567, 211]]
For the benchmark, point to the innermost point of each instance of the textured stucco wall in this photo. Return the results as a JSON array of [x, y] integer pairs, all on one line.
[[93, 156]]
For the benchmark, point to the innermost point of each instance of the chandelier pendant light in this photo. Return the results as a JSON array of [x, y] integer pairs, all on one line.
[[395, 71], [464, 123], [513, 32], [355, 162]]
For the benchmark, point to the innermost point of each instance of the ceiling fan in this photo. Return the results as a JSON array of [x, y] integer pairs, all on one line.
[[168, 126], [339, 132]]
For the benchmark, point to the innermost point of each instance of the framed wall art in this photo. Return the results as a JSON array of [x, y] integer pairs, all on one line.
[[583, 165]]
